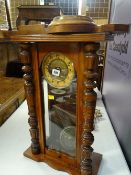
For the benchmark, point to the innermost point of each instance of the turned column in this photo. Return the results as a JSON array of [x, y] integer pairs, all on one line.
[[29, 90], [89, 103]]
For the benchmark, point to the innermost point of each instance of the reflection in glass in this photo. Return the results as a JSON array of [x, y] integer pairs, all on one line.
[[60, 117]]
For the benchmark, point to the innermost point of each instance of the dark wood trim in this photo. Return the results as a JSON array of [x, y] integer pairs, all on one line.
[[29, 90], [62, 166]]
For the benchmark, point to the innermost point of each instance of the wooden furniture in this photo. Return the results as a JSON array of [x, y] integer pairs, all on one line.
[[66, 66], [10, 96], [43, 13], [11, 88]]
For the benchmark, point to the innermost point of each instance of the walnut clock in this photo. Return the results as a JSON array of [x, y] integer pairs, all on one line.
[[60, 75]]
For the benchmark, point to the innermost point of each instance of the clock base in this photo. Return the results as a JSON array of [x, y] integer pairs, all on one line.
[[56, 164]]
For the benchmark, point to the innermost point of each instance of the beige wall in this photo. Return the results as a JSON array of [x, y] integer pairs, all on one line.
[[101, 21], [96, 9], [3, 22]]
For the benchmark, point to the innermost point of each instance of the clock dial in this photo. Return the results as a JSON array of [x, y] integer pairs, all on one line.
[[58, 70]]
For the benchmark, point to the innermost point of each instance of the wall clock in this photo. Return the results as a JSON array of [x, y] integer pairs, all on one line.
[[60, 73], [65, 105]]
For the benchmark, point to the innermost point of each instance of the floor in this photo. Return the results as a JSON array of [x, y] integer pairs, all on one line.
[[15, 139]]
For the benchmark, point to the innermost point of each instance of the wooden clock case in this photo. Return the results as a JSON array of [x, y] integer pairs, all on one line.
[[81, 49], [78, 52]]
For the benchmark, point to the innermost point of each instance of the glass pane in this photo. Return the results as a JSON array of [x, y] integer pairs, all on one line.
[[60, 105]]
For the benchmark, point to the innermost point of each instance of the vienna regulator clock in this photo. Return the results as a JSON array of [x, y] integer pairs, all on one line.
[[60, 75]]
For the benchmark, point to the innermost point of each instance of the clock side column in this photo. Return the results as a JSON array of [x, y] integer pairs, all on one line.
[[25, 57], [89, 103]]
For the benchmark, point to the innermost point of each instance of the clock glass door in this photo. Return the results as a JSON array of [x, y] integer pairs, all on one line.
[[59, 83]]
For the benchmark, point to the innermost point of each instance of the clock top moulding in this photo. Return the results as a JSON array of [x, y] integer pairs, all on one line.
[[76, 28], [69, 30]]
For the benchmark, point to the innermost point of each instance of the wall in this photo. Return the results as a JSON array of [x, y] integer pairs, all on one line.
[[69, 7], [96, 9], [3, 21]]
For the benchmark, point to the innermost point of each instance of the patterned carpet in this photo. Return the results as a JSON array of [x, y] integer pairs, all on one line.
[[11, 96]]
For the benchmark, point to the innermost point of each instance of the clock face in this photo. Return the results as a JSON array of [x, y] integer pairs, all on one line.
[[58, 70]]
